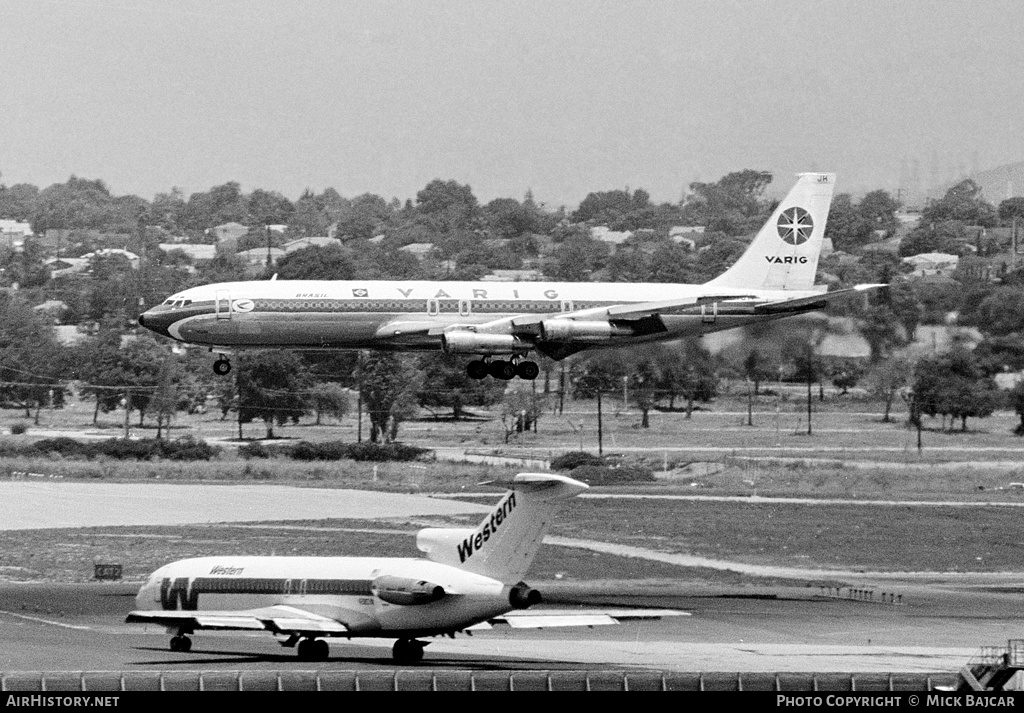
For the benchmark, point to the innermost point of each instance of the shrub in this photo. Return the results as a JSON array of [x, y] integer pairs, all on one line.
[[64, 446], [384, 452], [575, 459], [336, 450], [187, 448], [332, 450], [254, 450], [18, 428], [123, 449]]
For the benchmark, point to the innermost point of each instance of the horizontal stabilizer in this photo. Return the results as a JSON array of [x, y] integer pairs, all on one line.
[[799, 302], [545, 618]]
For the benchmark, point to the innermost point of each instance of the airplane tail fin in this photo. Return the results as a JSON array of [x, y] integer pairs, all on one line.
[[784, 254], [504, 544]]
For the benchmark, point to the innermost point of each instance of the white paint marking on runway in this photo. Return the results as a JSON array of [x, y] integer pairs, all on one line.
[[45, 621]]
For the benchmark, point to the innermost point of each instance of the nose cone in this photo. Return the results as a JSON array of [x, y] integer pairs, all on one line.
[[157, 320], [149, 595]]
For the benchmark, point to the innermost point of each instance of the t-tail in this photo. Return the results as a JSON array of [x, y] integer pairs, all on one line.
[[784, 255], [504, 544]]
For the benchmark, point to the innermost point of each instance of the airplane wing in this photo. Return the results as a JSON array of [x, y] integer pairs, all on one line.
[[279, 619], [791, 304], [549, 618]]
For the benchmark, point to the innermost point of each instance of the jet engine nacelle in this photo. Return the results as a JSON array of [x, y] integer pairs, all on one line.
[[466, 342], [523, 595], [406, 591], [569, 330]]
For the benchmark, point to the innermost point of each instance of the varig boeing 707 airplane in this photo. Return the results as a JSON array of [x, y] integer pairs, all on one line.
[[503, 322], [471, 579]]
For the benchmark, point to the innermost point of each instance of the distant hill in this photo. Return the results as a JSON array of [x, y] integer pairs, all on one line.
[[997, 184]]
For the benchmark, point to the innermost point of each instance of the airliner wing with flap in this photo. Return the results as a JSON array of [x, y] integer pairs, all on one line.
[[278, 619], [555, 618], [502, 322]]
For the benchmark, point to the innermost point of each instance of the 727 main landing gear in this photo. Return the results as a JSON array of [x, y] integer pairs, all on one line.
[[408, 651], [504, 370], [313, 650], [181, 642]]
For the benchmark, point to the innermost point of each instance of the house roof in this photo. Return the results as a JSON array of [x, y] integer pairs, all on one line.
[[193, 250], [301, 243]]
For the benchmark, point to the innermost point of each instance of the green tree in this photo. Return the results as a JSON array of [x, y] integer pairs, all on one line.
[[521, 409], [1016, 401], [100, 369], [32, 366], [331, 399], [316, 263], [364, 217], [687, 370], [273, 386], [445, 384], [578, 258], [847, 227], [962, 203], [886, 379], [878, 208], [1011, 208], [388, 383], [953, 384], [734, 205]]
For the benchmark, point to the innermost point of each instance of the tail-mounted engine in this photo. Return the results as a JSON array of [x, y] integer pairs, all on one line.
[[523, 595], [406, 591]]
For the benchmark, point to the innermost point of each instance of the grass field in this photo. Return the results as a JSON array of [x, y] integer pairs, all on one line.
[[850, 454]]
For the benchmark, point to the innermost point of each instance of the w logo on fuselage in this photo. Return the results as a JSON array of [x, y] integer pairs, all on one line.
[[175, 592], [795, 226]]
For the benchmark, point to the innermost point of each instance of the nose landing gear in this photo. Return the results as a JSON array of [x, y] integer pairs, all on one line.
[[222, 366]]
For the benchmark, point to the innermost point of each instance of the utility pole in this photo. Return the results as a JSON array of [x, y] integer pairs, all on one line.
[[238, 387], [600, 443], [359, 429]]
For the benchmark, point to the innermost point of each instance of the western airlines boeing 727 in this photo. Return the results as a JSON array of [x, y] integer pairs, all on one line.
[[471, 579], [773, 278]]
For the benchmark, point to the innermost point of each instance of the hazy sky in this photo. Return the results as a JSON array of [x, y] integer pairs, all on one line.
[[562, 98]]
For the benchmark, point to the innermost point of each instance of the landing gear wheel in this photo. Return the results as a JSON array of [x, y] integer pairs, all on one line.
[[527, 370], [181, 643], [313, 650], [476, 369], [408, 651], [503, 370], [221, 367]]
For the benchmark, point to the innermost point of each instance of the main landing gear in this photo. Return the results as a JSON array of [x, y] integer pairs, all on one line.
[[408, 651], [313, 650], [504, 370], [181, 642]]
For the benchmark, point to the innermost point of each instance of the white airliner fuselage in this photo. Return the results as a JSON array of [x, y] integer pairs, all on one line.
[[773, 278], [472, 577]]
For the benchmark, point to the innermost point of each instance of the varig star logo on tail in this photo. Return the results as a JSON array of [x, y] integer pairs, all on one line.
[[795, 226], [360, 293]]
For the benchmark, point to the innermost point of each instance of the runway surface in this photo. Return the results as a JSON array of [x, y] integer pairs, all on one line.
[[51, 504], [79, 627]]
